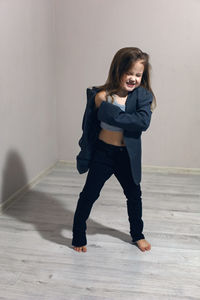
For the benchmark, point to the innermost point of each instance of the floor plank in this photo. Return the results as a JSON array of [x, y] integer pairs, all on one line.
[[38, 262]]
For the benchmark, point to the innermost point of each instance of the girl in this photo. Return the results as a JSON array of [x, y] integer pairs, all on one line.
[[123, 107]]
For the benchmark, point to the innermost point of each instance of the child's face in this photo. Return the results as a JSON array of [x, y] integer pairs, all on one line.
[[132, 79]]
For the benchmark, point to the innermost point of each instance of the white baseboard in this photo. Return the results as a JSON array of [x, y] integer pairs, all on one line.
[[171, 170], [149, 168]]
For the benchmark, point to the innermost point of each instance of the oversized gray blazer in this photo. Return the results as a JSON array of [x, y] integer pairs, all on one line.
[[135, 119]]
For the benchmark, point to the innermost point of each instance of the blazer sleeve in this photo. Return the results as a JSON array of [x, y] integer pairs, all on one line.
[[138, 120]]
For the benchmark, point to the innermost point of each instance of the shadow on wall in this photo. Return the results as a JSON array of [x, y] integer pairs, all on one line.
[[49, 216], [14, 175]]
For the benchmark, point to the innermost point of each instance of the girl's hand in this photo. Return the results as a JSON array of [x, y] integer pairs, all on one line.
[[101, 96]]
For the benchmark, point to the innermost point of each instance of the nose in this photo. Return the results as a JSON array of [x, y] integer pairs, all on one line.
[[133, 80]]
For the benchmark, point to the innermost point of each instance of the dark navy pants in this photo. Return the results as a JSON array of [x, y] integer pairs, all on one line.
[[108, 160]]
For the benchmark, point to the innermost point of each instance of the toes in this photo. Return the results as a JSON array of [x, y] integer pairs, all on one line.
[[80, 249], [148, 247], [77, 249], [143, 245]]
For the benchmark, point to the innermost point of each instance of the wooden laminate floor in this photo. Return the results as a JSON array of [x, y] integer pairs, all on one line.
[[37, 261]]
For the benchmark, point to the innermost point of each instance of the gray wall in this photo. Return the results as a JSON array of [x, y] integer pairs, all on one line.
[[89, 33], [27, 92], [51, 51]]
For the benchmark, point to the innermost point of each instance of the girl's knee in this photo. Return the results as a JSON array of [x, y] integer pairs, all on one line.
[[133, 193], [88, 196]]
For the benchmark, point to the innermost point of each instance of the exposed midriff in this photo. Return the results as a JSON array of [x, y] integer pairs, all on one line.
[[112, 137]]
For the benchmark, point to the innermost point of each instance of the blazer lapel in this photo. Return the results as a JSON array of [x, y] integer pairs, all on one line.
[[130, 105]]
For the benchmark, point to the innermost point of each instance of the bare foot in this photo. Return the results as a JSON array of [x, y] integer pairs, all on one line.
[[80, 249], [143, 245]]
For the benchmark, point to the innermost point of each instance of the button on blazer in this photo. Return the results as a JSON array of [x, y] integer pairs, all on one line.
[[134, 120]]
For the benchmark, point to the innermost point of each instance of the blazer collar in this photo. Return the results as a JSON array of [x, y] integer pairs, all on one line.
[[131, 101]]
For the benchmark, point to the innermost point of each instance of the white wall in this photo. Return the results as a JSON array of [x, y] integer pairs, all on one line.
[[27, 93], [90, 32]]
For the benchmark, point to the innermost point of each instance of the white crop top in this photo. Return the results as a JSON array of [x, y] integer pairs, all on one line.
[[110, 127]]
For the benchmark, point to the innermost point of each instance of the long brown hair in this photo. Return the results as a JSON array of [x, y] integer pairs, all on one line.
[[121, 63]]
